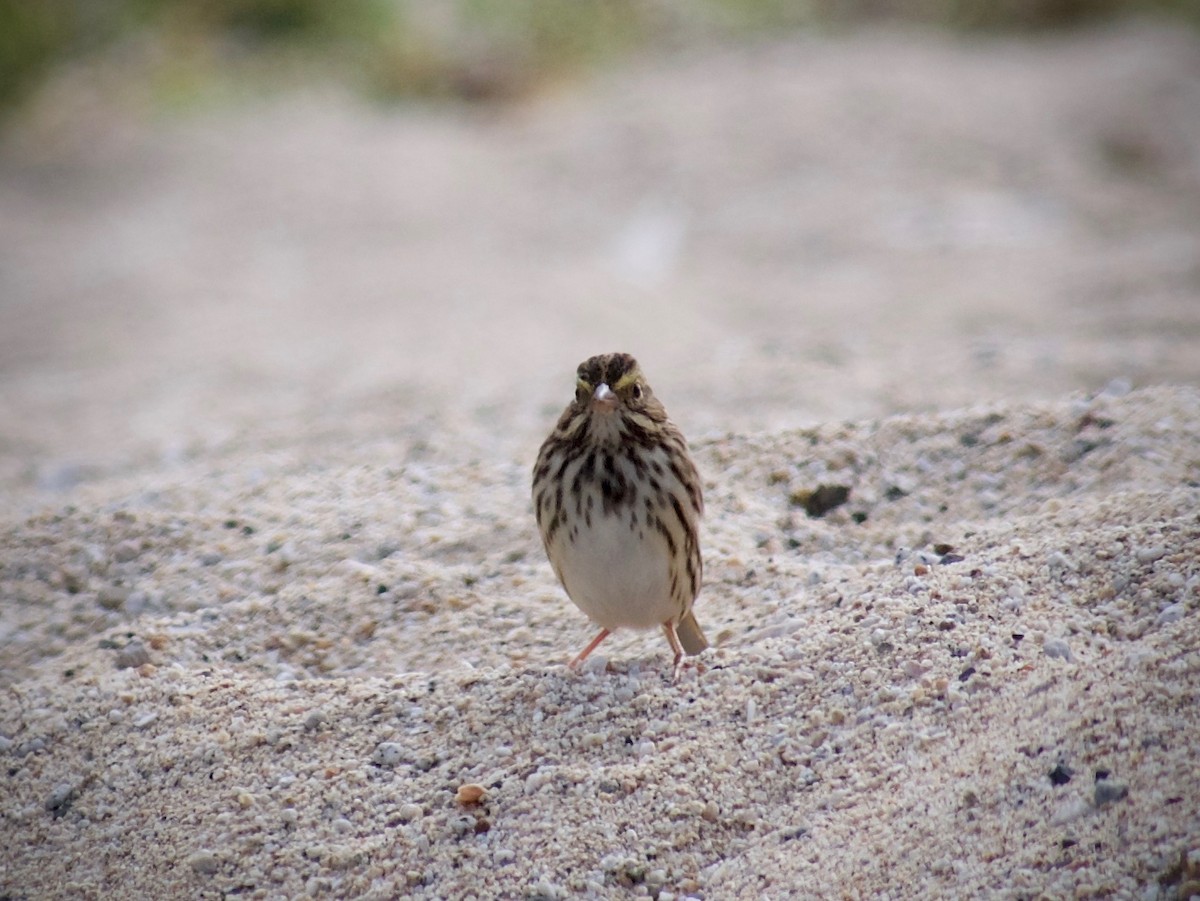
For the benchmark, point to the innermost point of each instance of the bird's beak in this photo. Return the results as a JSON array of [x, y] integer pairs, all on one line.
[[604, 398]]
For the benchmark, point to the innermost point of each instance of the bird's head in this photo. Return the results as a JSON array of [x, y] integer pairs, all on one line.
[[611, 382]]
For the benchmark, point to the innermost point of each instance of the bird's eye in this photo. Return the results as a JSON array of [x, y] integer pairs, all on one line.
[[637, 391]]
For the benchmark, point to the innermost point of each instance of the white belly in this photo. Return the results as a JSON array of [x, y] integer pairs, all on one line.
[[616, 576]]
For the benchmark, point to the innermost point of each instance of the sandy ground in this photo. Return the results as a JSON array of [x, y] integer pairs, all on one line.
[[271, 383]]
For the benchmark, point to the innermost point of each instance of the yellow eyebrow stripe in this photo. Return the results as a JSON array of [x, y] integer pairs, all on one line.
[[626, 380]]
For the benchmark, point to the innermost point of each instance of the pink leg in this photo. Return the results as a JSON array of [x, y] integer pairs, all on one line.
[[578, 661], [673, 639]]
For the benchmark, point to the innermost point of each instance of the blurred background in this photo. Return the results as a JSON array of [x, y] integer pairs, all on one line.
[[231, 223]]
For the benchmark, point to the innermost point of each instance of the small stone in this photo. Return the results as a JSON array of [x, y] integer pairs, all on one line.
[[73, 578], [1071, 809], [133, 655], [1172, 613], [1057, 648], [410, 812], [126, 551], [1108, 791], [60, 799], [204, 862], [543, 890], [136, 603], [1061, 775], [1059, 563], [470, 793], [595, 663], [313, 721], [820, 500], [112, 597], [388, 753], [31, 747], [1150, 554], [462, 826]]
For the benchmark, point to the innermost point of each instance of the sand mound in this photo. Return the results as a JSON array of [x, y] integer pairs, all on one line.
[[980, 673]]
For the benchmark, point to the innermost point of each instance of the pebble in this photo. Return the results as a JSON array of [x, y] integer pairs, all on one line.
[[136, 603], [410, 812], [542, 890], [535, 780], [1172, 613], [388, 753], [1069, 810], [462, 825], [1108, 791], [74, 578], [204, 862], [133, 655], [313, 721], [470, 793], [1150, 554], [60, 798], [1059, 563], [31, 747], [112, 597], [125, 551], [1058, 648]]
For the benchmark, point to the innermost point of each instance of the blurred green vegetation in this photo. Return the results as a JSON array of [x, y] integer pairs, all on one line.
[[470, 49]]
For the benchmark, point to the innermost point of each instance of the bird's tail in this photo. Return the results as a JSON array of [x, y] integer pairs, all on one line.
[[691, 636]]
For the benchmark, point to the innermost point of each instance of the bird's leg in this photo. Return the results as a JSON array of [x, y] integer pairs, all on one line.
[[578, 661], [673, 640]]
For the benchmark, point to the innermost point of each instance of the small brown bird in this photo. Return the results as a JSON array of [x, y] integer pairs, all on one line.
[[618, 503]]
